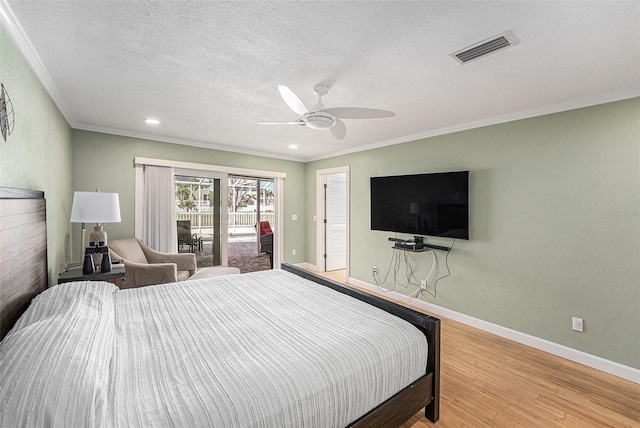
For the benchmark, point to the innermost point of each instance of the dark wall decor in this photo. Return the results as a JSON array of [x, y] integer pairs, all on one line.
[[7, 118]]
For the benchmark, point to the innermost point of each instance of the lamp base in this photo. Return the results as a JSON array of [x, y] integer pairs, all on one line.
[[97, 235]]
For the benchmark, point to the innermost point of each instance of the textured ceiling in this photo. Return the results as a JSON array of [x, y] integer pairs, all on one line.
[[209, 71]]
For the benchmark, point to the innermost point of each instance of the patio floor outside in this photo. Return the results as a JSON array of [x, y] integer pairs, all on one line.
[[242, 250]]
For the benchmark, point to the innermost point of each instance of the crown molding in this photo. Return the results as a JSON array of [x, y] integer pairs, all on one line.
[[181, 141], [19, 36], [10, 22], [510, 117], [496, 120]]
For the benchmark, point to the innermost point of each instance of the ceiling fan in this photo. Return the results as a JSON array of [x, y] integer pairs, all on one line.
[[320, 117]]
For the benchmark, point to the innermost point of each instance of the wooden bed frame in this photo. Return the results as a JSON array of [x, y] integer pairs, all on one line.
[[23, 275], [23, 252]]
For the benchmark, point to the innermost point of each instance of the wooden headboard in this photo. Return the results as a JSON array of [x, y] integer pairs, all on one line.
[[23, 252]]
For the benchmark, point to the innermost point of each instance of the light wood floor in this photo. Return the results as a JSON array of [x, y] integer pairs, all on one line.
[[489, 381]]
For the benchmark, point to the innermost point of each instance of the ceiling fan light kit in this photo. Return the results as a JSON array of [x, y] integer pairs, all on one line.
[[322, 118], [319, 120]]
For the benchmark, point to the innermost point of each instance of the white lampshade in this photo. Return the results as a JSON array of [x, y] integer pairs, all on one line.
[[95, 207]]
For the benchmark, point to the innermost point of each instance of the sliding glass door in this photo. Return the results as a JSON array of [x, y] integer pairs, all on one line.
[[215, 210], [200, 218], [251, 223]]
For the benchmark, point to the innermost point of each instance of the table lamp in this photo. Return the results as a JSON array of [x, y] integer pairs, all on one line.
[[95, 207]]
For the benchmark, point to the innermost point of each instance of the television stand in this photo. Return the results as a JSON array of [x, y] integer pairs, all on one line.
[[412, 250], [416, 245]]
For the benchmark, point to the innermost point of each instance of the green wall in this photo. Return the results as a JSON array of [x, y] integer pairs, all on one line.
[[37, 154], [554, 225], [105, 162]]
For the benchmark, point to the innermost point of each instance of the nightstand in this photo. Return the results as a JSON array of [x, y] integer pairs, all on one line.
[[73, 272]]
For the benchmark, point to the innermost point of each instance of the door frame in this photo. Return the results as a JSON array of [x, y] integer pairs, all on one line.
[[319, 217], [278, 179]]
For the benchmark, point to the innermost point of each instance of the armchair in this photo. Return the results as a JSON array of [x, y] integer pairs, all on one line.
[[184, 234], [266, 240], [146, 266]]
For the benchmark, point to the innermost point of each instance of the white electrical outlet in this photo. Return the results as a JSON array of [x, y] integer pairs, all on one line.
[[423, 284], [374, 270], [293, 252], [577, 324]]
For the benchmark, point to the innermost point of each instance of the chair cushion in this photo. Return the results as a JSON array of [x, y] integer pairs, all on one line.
[[265, 228], [128, 249], [183, 275]]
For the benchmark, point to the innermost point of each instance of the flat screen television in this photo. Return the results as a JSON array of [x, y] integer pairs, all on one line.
[[422, 204]]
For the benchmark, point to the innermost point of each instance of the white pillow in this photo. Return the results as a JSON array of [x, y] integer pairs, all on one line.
[[54, 363]]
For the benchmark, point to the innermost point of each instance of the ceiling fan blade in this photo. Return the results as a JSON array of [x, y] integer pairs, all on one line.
[[358, 113], [299, 122], [339, 130], [292, 100]]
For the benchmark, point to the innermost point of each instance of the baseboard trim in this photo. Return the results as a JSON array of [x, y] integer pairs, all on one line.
[[306, 265], [616, 369]]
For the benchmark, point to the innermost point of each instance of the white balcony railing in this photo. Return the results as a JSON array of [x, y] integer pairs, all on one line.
[[201, 220]]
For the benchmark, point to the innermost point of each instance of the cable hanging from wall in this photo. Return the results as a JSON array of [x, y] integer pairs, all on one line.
[[395, 266], [420, 290]]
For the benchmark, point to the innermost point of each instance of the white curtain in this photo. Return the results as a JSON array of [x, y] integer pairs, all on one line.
[[159, 209]]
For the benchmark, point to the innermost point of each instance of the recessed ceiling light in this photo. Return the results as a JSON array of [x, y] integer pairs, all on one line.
[[293, 146], [151, 121]]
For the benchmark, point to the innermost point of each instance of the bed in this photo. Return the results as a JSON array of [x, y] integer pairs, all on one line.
[[277, 348]]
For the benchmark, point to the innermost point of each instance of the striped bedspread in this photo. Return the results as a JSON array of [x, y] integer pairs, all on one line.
[[266, 349]]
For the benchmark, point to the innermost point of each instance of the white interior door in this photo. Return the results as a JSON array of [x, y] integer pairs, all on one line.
[[335, 221]]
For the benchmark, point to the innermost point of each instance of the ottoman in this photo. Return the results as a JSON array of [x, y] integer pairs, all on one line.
[[208, 272]]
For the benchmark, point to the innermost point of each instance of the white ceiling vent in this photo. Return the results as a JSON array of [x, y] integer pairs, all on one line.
[[485, 47]]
